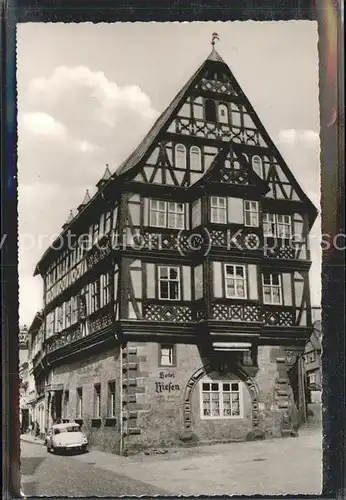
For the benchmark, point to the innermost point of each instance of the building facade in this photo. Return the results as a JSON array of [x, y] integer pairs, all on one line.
[[23, 379], [313, 362], [180, 310], [36, 393]]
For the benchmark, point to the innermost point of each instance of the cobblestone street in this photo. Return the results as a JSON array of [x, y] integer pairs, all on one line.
[[276, 467]]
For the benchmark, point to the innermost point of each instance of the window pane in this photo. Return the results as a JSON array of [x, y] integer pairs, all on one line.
[[163, 271], [239, 271], [226, 387], [276, 296], [275, 278], [230, 270], [214, 387], [266, 279], [164, 290], [205, 386], [235, 387], [174, 290], [173, 274], [230, 288], [240, 289]]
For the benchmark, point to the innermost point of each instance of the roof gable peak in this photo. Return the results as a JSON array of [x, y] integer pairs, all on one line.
[[215, 56]]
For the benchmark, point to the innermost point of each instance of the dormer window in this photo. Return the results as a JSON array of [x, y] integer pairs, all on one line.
[[223, 113], [210, 110], [257, 166], [195, 159], [167, 214], [180, 156]]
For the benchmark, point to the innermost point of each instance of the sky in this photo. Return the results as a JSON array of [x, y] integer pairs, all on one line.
[[88, 93]]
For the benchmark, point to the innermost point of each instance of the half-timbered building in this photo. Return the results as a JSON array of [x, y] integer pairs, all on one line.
[[179, 310]]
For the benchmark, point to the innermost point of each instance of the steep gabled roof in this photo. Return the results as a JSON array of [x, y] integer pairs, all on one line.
[[148, 140]]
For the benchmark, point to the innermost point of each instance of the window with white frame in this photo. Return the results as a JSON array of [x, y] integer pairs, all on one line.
[[257, 165], [158, 213], [235, 281], [60, 318], [79, 407], [195, 159], [175, 215], [310, 357], [312, 378], [97, 401], [284, 226], [223, 113], [95, 232], [95, 296], [277, 225], [111, 399], [74, 310], [218, 210], [167, 214], [169, 282], [269, 227], [220, 399], [180, 156], [105, 292], [272, 289], [68, 313], [251, 215], [108, 220], [167, 355]]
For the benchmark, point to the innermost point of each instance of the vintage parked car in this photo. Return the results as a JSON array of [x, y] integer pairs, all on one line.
[[66, 437]]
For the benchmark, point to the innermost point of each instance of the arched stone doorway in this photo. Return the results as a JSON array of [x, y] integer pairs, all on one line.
[[205, 370]]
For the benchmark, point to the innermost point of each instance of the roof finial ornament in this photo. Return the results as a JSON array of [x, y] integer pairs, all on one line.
[[214, 36]]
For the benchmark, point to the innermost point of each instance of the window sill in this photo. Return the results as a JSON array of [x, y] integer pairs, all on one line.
[[110, 422]]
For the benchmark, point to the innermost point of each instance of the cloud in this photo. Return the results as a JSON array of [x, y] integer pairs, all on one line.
[[42, 124], [104, 99], [97, 122], [292, 136]]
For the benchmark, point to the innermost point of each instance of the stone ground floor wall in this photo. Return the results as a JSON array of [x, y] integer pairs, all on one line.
[[98, 369], [160, 406], [170, 405]]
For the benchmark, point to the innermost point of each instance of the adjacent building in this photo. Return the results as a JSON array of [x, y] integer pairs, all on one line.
[[23, 378], [36, 393], [180, 309], [313, 362]]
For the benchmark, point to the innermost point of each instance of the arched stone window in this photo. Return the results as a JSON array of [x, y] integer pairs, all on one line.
[[223, 113], [210, 110], [195, 159], [180, 156]]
